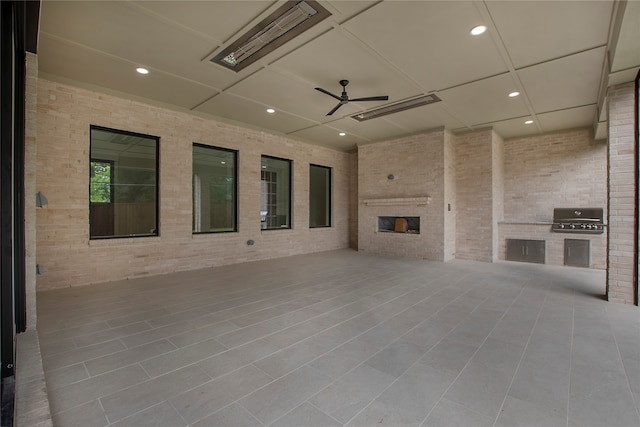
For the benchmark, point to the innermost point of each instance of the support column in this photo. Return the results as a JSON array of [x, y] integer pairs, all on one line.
[[622, 194]]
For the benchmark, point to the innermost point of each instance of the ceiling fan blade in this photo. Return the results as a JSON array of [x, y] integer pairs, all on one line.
[[371, 98], [328, 93], [335, 109]]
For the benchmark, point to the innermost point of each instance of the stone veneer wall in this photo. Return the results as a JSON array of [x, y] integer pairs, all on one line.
[[562, 169], [622, 194], [418, 164], [69, 258]]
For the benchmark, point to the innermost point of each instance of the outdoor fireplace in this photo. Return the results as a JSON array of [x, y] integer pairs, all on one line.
[[399, 224]]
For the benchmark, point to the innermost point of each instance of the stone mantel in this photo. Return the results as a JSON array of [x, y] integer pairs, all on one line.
[[399, 201]]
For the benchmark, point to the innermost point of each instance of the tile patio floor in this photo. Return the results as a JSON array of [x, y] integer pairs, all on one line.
[[343, 338]]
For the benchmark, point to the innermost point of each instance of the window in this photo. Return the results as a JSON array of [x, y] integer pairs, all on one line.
[[123, 184], [319, 196], [214, 189], [275, 193]]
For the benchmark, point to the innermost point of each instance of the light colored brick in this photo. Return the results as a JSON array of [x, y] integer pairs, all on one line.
[[64, 116]]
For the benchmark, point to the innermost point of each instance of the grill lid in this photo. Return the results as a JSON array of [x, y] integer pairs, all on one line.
[[578, 215]]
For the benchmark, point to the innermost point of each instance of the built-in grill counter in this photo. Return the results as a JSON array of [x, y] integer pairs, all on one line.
[[572, 236], [578, 220]]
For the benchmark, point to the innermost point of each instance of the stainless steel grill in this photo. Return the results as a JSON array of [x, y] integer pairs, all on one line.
[[578, 220]]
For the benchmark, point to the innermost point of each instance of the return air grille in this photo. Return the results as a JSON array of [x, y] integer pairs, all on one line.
[[400, 106], [287, 22]]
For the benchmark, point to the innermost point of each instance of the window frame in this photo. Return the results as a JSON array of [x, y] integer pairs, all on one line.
[[235, 189], [289, 195], [156, 139], [329, 196]]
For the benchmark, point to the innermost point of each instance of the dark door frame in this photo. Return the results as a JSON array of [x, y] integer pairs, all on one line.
[[18, 35]]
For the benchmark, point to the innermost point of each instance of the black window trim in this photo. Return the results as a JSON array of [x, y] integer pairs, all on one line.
[[140, 135], [290, 227], [236, 189], [330, 195]]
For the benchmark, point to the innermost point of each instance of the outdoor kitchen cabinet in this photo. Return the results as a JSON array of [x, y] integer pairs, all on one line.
[[526, 250], [576, 252]]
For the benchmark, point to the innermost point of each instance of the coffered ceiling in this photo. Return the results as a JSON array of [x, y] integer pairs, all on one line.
[[560, 56]]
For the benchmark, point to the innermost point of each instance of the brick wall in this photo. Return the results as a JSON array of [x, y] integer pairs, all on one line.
[[475, 195], [353, 201], [450, 197], [64, 115], [562, 169], [622, 194], [418, 165], [498, 192]]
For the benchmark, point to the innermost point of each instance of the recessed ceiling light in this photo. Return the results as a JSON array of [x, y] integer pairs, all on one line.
[[342, 134], [264, 167], [528, 122], [142, 70], [514, 94], [224, 163], [476, 31], [270, 110]]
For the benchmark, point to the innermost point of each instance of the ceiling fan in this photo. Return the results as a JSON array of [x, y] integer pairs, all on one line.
[[344, 98]]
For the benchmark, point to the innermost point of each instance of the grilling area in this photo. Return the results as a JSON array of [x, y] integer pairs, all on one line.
[[577, 220]]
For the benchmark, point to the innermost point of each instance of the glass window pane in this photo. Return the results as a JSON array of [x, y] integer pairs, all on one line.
[[319, 196], [123, 190], [275, 197], [214, 189]]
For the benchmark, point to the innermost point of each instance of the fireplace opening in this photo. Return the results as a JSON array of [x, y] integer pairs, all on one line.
[[399, 224]]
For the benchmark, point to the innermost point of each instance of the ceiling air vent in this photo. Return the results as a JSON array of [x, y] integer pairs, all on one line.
[[400, 106], [287, 22]]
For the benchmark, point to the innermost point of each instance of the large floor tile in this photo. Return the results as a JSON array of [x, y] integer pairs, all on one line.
[[343, 337], [281, 396], [450, 414], [346, 397], [206, 399], [308, 416], [408, 400], [144, 395]]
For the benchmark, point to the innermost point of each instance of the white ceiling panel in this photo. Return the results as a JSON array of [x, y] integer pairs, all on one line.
[[328, 137], [129, 33], [344, 9], [252, 113], [430, 41], [370, 130], [627, 53], [535, 31], [95, 68], [551, 51], [219, 20], [571, 118], [423, 118], [282, 91], [485, 101], [336, 56], [564, 83], [513, 128]]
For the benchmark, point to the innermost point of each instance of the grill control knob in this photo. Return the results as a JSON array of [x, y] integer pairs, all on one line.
[[572, 226], [583, 226]]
